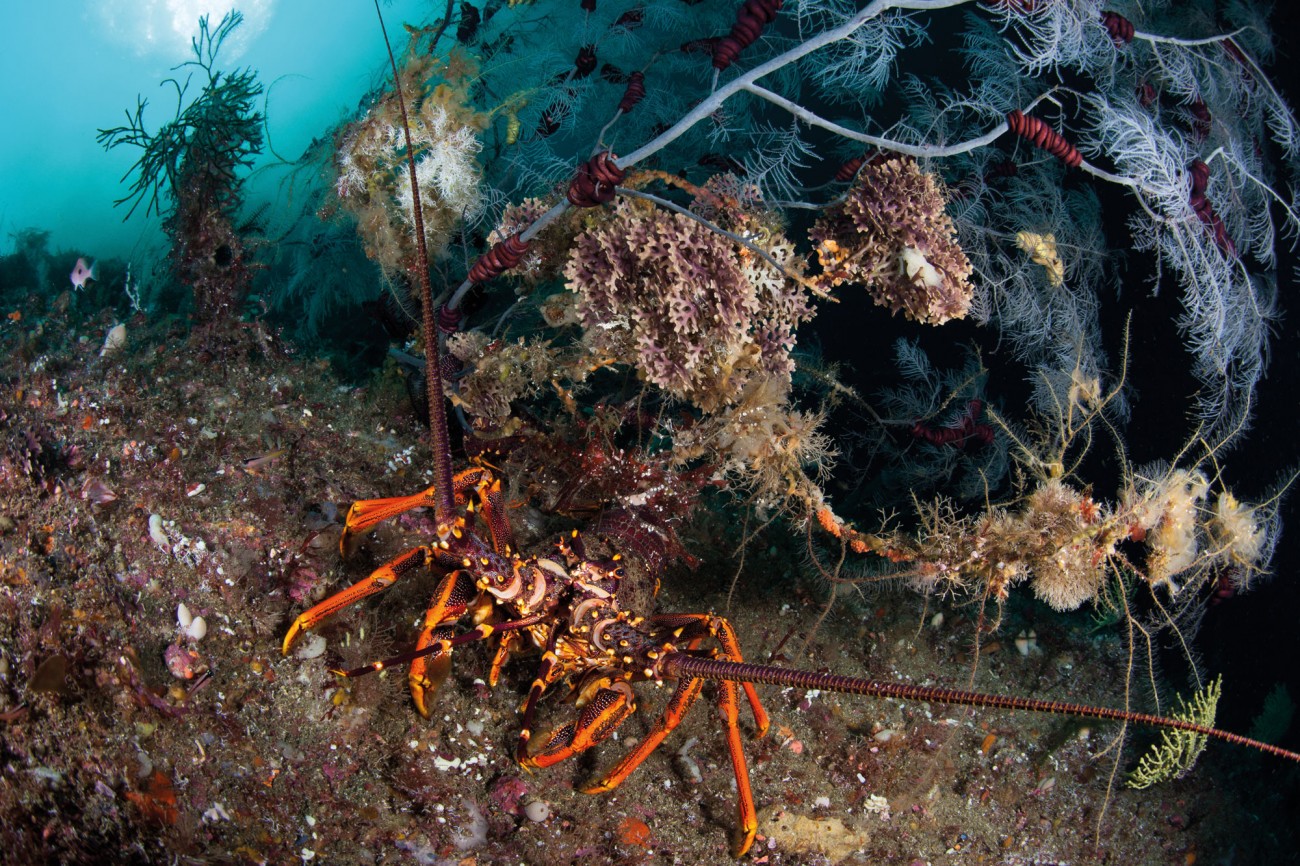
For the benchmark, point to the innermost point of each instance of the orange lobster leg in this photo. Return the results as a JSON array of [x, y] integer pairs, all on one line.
[[689, 625], [746, 817], [491, 507], [442, 645], [603, 713], [365, 513], [455, 592], [507, 647], [550, 671], [683, 696], [380, 579], [720, 629]]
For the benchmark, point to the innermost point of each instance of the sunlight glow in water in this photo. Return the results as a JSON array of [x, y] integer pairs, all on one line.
[[164, 28]]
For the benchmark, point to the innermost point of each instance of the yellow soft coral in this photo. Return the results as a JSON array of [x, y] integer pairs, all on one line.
[[1042, 251], [1237, 535]]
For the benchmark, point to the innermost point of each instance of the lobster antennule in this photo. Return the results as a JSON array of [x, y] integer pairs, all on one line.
[[479, 632], [683, 665]]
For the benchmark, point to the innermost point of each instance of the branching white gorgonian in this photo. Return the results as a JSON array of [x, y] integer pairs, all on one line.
[[994, 78], [1227, 310], [776, 158], [859, 67], [1059, 35]]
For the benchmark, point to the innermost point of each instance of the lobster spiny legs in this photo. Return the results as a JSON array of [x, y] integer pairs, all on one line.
[[693, 627], [690, 625], [746, 816], [453, 597], [441, 644], [491, 505], [612, 703], [365, 514], [550, 671], [379, 580], [507, 646], [687, 691]]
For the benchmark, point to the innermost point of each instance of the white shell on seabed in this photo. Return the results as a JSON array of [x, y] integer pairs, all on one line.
[[312, 647]]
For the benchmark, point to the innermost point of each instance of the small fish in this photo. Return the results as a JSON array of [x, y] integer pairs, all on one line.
[[83, 273], [255, 465]]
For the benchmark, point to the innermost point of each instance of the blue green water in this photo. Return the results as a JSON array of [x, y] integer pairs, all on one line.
[[70, 67]]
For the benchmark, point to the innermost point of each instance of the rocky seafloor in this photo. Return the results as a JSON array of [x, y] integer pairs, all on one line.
[[155, 475]]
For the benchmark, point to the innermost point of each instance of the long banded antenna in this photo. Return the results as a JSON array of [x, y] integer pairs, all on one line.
[[439, 441], [684, 666]]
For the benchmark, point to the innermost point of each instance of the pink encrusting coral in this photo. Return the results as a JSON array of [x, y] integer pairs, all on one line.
[[697, 315], [893, 235]]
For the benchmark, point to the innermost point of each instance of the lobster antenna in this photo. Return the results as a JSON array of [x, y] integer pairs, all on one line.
[[439, 441], [679, 665], [683, 666]]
